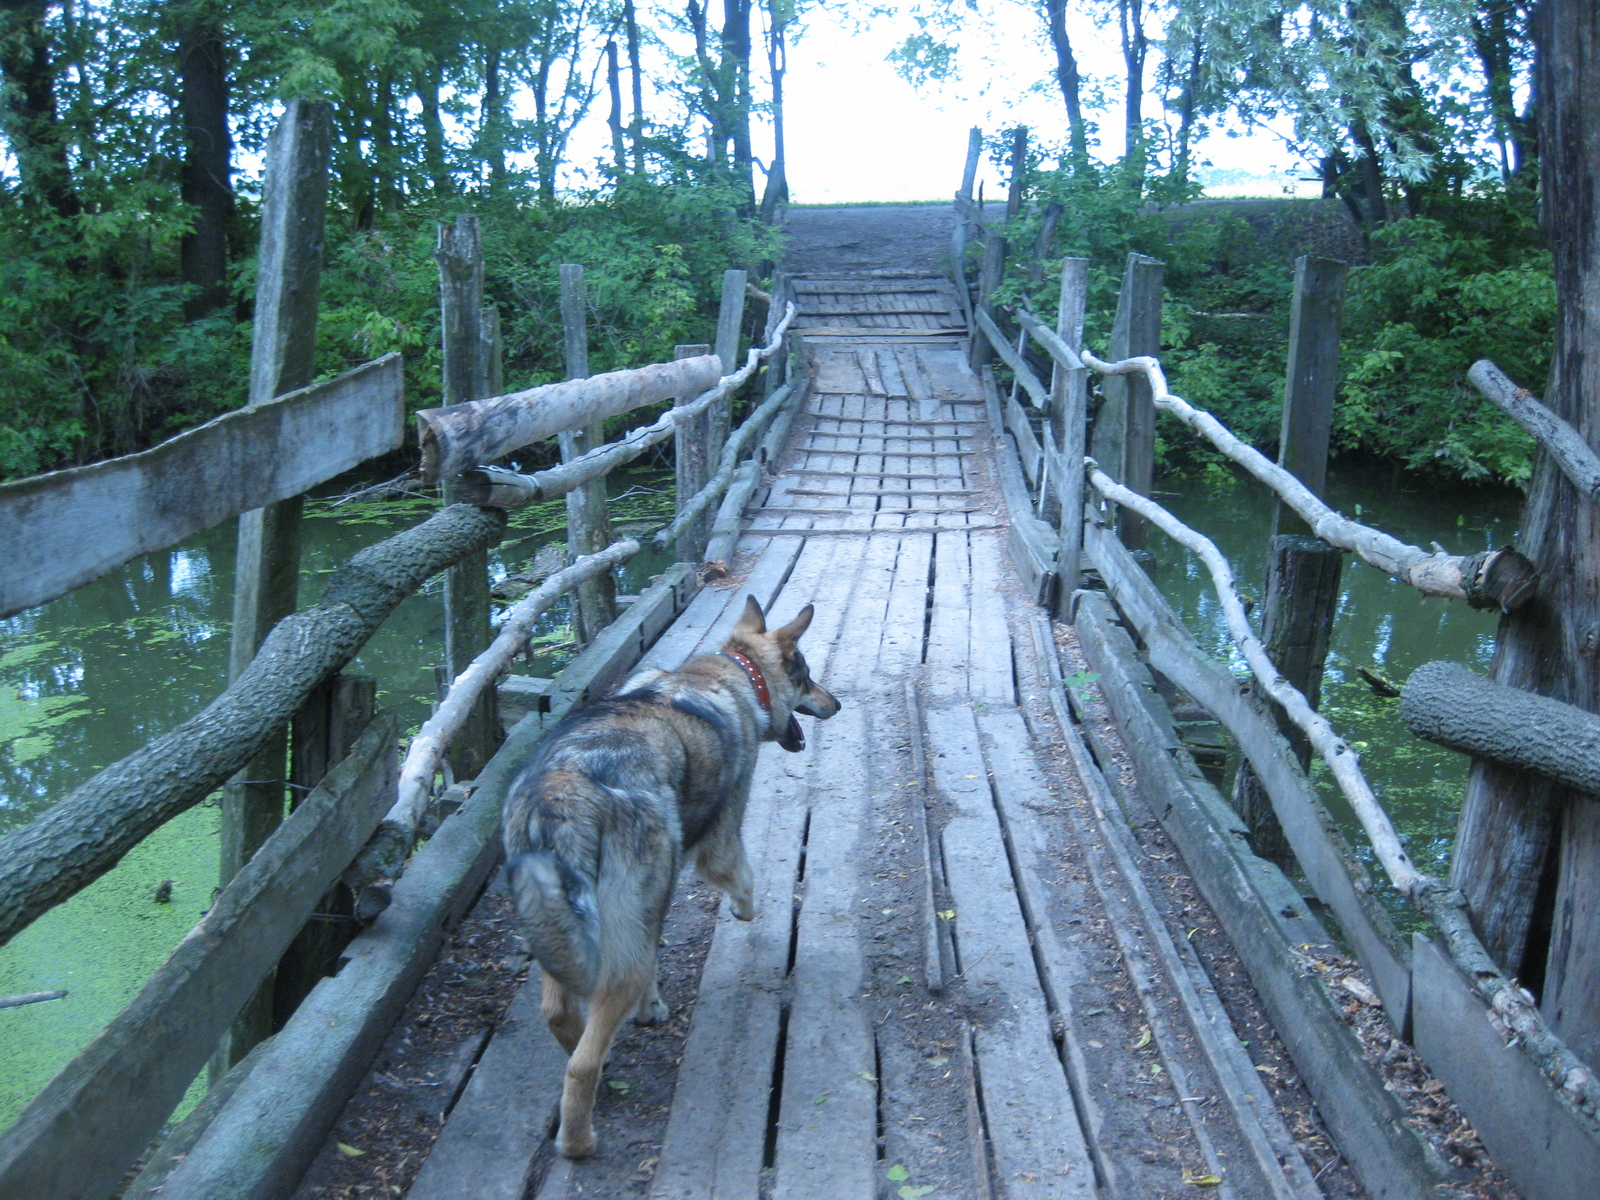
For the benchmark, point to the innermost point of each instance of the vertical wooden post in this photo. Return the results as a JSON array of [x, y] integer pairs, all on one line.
[[588, 524], [962, 233], [1069, 416], [1019, 172], [493, 351], [1302, 583], [466, 585], [777, 365], [693, 465], [730, 318], [989, 277], [328, 724], [1124, 441], [267, 576]]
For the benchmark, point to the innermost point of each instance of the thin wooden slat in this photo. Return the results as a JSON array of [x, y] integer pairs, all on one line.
[[63, 530], [1038, 1143], [491, 1143], [80, 1134], [992, 679], [827, 1118]]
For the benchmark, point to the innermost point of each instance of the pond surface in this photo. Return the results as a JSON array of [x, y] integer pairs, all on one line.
[[95, 675], [1381, 624]]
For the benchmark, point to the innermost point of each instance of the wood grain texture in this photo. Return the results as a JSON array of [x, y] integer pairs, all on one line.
[[65, 529]]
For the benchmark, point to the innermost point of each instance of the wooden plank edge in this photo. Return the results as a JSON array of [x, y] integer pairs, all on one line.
[[1550, 1150], [604, 662], [1330, 866], [1033, 544], [1260, 910], [89, 1124]]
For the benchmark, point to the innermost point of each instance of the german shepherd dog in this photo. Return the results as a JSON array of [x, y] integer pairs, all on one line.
[[598, 823]]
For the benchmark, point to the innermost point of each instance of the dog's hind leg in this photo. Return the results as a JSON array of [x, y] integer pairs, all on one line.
[[608, 1008], [652, 1009], [721, 862], [561, 1011]]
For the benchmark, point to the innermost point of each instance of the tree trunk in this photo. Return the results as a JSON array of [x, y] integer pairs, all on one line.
[[636, 77], [776, 195], [1528, 851], [1067, 79], [428, 82], [207, 162], [31, 123], [1135, 47], [493, 121], [619, 152]]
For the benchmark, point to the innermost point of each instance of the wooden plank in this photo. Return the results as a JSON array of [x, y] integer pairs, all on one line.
[[866, 287], [1266, 921], [497, 1131], [594, 604], [711, 616], [1032, 542], [1337, 877], [949, 653], [1038, 1143], [1027, 443], [1550, 1151], [603, 664], [81, 1133], [827, 1117], [992, 677], [63, 530], [900, 647]]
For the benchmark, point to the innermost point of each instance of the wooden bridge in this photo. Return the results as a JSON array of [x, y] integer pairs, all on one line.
[[1011, 942]]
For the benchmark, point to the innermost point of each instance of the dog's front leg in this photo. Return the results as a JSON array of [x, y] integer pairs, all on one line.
[[720, 860]]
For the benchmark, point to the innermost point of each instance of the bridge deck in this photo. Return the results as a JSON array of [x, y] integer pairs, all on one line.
[[954, 986]]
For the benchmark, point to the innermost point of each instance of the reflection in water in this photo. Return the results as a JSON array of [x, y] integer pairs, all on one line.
[[93, 676], [1381, 624]]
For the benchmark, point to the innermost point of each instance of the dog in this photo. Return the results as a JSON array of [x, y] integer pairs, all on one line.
[[598, 823]]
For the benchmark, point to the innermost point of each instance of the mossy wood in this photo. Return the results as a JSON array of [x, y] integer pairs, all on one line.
[[80, 838]]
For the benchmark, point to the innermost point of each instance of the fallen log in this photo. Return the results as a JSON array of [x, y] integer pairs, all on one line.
[[75, 841], [1448, 704], [1502, 579], [479, 431], [371, 877]]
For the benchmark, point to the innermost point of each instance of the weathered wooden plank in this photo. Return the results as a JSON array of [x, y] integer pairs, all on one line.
[[1032, 1120], [900, 648], [1335, 874], [491, 1143], [1266, 921], [588, 521], [1125, 427], [1550, 1151], [867, 287], [1315, 317], [80, 1134], [992, 672], [711, 616], [63, 530], [949, 653], [1028, 449], [827, 1118], [1032, 542]]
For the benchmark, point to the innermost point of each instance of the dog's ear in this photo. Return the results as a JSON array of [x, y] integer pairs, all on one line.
[[752, 621], [790, 633]]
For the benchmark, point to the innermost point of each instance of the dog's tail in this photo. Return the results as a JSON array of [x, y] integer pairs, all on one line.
[[560, 917]]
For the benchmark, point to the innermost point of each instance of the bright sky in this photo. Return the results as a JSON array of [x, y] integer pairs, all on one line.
[[857, 131]]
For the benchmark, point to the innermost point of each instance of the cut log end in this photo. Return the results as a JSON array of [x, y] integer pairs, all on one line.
[[1502, 579]]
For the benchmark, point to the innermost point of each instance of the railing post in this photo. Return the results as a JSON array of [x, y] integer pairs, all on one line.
[[1069, 418], [594, 604], [690, 442], [267, 575], [965, 226], [730, 318], [465, 377], [1302, 583], [1124, 441], [777, 365]]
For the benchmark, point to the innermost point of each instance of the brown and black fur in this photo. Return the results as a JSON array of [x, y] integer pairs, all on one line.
[[597, 825]]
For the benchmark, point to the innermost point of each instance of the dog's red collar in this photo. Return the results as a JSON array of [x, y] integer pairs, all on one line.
[[757, 680]]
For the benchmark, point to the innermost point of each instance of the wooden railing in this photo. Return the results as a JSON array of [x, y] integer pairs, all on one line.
[[1442, 991], [356, 829]]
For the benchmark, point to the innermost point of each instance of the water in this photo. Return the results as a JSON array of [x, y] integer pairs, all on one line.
[[95, 675], [1380, 624]]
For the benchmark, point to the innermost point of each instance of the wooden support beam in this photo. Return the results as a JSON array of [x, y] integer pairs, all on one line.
[[1012, 357], [1316, 315], [81, 1133], [78, 839], [1123, 442], [730, 318], [691, 451], [1068, 425], [65, 529], [267, 565], [588, 524], [466, 584]]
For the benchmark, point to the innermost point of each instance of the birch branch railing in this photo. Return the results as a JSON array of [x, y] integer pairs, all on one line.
[[1565, 444], [373, 873], [496, 487], [1497, 578], [1444, 905]]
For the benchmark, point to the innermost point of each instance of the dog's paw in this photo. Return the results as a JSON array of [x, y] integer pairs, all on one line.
[[576, 1146], [652, 1010], [744, 907]]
